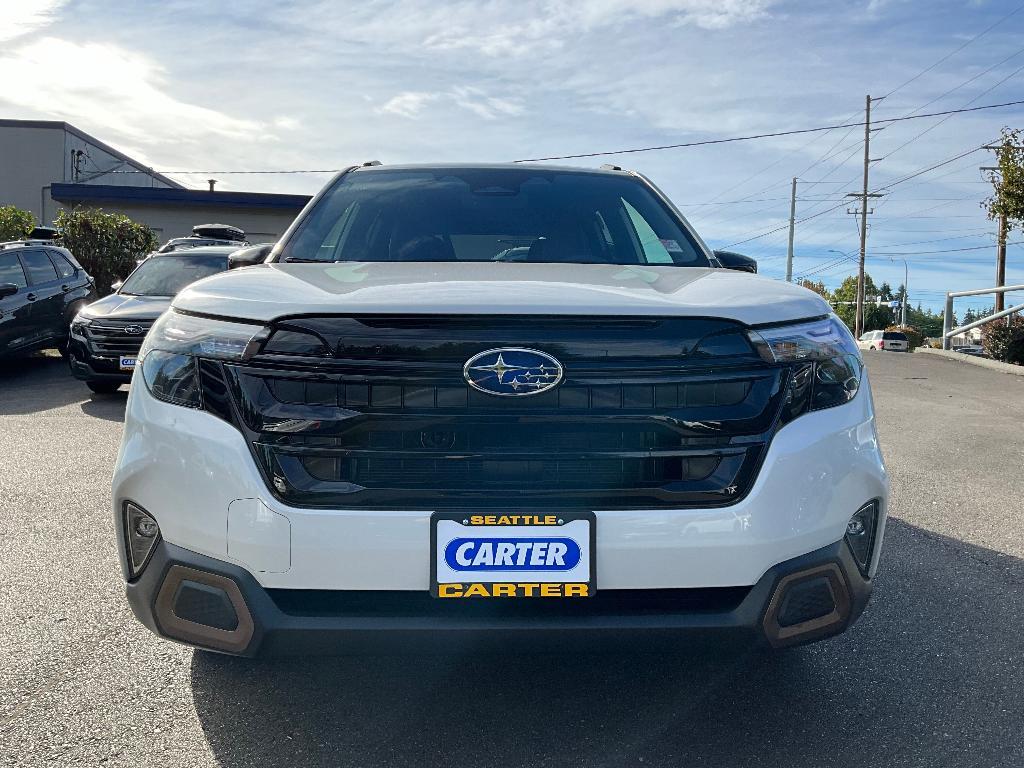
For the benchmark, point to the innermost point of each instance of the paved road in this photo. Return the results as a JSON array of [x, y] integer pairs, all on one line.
[[931, 676]]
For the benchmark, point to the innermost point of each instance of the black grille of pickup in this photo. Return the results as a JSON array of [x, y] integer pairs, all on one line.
[[109, 337], [663, 413]]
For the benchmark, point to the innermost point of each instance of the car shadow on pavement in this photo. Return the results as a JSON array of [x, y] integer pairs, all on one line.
[[42, 382], [929, 676]]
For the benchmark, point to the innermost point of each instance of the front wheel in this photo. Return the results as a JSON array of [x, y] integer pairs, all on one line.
[[103, 387]]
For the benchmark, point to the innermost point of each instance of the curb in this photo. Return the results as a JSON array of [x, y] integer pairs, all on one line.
[[981, 362]]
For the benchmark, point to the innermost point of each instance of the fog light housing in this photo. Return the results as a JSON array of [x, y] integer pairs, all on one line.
[[141, 534], [860, 535]]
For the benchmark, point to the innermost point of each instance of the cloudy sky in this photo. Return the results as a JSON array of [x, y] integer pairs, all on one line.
[[196, 86]]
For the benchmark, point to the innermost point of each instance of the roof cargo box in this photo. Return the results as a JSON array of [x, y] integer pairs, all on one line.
[[44, 233], [219, 231]]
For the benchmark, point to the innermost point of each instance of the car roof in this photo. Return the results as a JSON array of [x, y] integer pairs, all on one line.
[[199, 250], [490, 166]]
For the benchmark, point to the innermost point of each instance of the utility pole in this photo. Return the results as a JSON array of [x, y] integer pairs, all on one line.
[[863, 212], [792, 227], [1003, 226], [906, 290], [1001, 261]]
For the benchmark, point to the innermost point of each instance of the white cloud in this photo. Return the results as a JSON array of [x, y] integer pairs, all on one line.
[[105, 85], [408, 103], [480, 104], [286, 123], [24, 16], [411, 104], [526, 28]]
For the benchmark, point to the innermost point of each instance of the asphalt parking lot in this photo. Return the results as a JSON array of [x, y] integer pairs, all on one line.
[[932, 675]]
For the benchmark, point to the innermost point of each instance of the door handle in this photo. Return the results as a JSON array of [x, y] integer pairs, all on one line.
[[65, 288], [31, 297]]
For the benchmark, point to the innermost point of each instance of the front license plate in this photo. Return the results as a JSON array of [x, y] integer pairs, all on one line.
[[127, 363], [512, 554]]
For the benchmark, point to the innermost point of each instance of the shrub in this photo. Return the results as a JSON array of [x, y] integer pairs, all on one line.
[[1004, 340], [107, 244], [914, 337], [15, 223]]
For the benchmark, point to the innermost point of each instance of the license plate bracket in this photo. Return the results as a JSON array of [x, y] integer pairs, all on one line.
[[513, 554], [127, 363]]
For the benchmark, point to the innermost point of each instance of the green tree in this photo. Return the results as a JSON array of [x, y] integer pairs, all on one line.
[[818, 287], [15, 223], [1008, 184], [845, 297], [926, 321], [107, 244]]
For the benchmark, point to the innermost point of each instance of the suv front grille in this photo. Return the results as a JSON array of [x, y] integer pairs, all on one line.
[[630, 432], [109, 337]]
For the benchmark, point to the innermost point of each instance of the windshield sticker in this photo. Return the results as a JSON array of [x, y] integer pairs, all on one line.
[[672, 246]]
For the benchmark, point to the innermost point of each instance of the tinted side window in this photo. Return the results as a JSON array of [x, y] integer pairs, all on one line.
[[11, 271], [38, 267], [64, 269]]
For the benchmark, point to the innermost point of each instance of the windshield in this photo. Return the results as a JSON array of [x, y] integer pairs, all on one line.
[[166, 275], [486, 214], [891, 336]]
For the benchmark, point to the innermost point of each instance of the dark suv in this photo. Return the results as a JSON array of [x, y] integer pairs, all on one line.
[[42, 287], [106, 335]]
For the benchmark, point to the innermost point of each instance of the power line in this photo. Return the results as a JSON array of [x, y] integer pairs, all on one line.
[[931, 168], [940, 122], [887, 186], [733, 139], [831, 149], [955, 51], [946, 250]]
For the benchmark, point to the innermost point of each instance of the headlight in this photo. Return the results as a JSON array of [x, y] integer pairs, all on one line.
[[168, 355], [826, 364], [200, 336], [78, 326]]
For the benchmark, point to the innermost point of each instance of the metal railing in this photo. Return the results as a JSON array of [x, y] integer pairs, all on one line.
[[949, 332]]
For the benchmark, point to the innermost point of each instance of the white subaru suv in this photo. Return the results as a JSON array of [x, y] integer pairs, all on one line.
[[490, 403]]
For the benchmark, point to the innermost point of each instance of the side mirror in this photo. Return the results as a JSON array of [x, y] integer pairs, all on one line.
[[248, 257], [7, 289], [116, 286], [737, 261]]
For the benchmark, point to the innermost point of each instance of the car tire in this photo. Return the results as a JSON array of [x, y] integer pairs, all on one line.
[[103, 387], [872, 349]]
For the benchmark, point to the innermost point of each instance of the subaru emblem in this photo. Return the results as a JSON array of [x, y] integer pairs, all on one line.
[[513, 372], [134, 330]]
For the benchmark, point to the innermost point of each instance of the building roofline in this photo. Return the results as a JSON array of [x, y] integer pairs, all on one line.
[[187, 197], [61, 125]]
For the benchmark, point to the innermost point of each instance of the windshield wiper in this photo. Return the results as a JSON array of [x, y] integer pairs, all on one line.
[[299, 260]]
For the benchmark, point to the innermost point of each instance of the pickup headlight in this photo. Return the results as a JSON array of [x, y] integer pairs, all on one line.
[[174, 343], [826, 364]]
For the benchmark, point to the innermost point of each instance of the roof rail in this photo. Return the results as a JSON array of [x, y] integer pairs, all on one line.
[[13, 243], [370, 163]]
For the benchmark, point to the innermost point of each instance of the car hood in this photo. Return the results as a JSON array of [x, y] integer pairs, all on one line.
[[125, 307], [270, 291]]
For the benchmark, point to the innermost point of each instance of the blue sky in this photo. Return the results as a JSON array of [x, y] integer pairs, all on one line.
[[202, 86]]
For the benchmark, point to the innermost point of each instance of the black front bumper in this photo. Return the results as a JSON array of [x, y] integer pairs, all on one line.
[[229, 611], [88, 367]]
